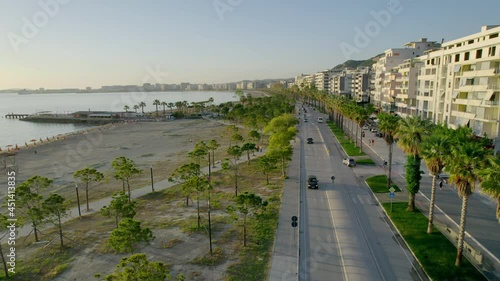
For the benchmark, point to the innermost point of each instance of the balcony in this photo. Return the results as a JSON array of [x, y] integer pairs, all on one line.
[[491, 102], [468, 102], [474, 88], [461, 114]]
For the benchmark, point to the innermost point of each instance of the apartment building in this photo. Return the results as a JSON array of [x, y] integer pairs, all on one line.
[[406, 86], [360, 85], [383, 70], [322, 80], [459, 85]]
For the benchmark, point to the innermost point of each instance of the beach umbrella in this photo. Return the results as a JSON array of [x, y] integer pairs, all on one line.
[[33, 140]]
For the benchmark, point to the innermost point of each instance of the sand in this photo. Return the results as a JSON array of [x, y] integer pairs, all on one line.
[[160, 145]]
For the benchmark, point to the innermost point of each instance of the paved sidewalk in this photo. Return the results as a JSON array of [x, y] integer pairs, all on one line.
[[284, 263]]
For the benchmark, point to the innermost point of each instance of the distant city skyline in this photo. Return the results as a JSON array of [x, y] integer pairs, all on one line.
[[56, 44]]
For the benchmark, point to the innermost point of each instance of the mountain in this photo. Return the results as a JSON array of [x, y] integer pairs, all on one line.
[[355, 63]]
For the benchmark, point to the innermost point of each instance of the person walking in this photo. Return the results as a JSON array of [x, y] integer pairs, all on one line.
[[441, 184]]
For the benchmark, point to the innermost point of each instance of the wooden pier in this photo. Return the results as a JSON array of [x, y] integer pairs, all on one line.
[[16, 116]]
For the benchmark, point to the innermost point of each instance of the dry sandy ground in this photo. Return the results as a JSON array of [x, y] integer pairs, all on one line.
[[161, 144]]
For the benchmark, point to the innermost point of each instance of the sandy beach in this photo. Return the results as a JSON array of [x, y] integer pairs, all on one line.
[[162, 145]]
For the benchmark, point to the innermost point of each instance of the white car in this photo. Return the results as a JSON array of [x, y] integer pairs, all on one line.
[[320, 119], [349, 162]]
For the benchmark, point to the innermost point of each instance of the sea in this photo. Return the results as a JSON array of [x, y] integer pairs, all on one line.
[[15, 132]]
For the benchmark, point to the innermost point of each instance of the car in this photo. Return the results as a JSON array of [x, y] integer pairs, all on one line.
[[312, 182], [320, 119], [373, 130], [305, 120], [310, 140], [379, 134], [365, 127], [349, 162]]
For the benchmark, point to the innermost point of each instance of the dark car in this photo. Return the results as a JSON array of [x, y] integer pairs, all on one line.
[[379, 134], [312, 182], [310, 140]]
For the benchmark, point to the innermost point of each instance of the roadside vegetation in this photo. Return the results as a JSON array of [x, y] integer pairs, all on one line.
[[378, 184]]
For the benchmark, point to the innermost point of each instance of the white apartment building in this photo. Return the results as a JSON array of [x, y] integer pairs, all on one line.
[[322, 80], [383, 69], [354, 83], [406, 88], [465, 87]]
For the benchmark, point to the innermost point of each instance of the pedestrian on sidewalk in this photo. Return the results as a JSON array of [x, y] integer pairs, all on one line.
[[373, 141], [441, 184]]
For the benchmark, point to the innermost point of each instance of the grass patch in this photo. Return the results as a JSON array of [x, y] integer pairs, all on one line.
[[435, 253], [365, 162], [378, 184], [148, 155], [216, 258], [348, 145], [171, 243]]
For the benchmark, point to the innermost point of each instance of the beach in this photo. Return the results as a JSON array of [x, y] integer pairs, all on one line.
[[162, 146]]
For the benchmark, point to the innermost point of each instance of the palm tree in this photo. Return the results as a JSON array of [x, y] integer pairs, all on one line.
[[164, 103], [136, 107], [490, 180], [411, 133], [126, 108], [156, 103], [388, 124], [434, 152], [179, 105], [465, 161], [142, 105], [170, 105]]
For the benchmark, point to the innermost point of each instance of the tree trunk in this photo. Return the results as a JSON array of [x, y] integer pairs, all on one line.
[[60, 231], [389, 172], [187, 200], [116, 219], [356, 142], [129, 194], [461, 231], [244, 231], [123, 185], [431, 206], [267, 178], [411, 202], [198, 203], [361, 142], [283, 167], [36, 231], [236, 185], [6, 270], [87, 196], [213, 158], [498, 208]]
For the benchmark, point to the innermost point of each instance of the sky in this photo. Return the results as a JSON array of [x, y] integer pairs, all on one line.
[[81, 43]]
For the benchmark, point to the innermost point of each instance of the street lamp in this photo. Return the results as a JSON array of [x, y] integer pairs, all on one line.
[[152, 184]]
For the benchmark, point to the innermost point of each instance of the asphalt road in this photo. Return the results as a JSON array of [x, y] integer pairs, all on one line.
[[344, 234]]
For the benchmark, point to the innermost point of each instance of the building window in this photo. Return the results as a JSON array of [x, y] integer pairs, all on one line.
[[493, 35], [471, 42], [479, 53], [492, 51], [459, 44], [457, 57], [466, 55]]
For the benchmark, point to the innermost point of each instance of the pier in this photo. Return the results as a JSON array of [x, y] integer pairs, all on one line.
[[16, 116]]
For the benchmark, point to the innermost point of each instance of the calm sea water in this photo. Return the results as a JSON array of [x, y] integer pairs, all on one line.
[[13, 131]]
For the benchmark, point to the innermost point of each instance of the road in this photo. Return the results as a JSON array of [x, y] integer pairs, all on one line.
[[344, 234]]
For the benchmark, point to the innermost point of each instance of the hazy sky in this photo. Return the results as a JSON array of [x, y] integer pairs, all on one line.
[[79, 43]]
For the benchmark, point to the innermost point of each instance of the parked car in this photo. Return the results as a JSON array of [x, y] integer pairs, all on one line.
[[312, 182], [309, 140], [349, 162], [365, 127], [379, 134], [373, 130]]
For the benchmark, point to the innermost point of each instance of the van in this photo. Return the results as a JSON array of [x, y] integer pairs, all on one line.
[[320, 119]]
